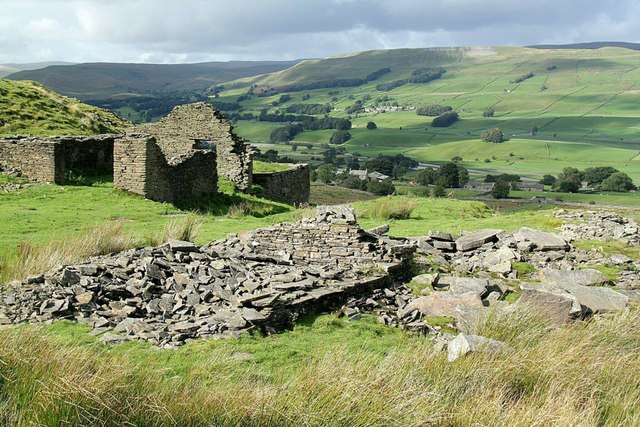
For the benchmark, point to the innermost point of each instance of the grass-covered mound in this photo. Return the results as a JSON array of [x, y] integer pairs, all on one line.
[[30, 108]]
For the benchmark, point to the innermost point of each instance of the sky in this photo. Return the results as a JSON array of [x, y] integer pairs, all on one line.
[[160, 31]]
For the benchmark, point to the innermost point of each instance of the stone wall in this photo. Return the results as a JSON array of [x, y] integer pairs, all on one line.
[[43, 159], [292, 186], [36, 159], [141, 167], [200, 125], [331, 237]]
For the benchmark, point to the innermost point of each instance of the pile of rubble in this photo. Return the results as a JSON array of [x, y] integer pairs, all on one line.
[[171, 294], [265, 279], [600, 225]]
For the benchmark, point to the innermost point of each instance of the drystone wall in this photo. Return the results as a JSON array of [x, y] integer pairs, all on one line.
[[141, 167], [34, 159], [292, 186], [43, 159], [200, 125], [174, 293]]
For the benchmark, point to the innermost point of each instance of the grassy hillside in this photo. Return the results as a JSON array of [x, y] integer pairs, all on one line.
[[30, 108], [581, 103], [105, 80], [327, 370]]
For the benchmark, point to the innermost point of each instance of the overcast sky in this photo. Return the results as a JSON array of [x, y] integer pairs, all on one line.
[[162, 31]]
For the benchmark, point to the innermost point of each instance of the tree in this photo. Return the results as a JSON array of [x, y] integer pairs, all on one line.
[[426, 177], [354, 183], [548, 180], [596, 176], [372, 126], [449, 175], [381, 188], [433, 110], [399, 171], [445, 120], [380, 164], [494, 135], [326, 173], [569, 180], [340, 137], [463, 176], [618, 181], [500, 190], [488, 112]]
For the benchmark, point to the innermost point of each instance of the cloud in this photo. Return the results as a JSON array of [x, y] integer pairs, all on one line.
[[199, 30]]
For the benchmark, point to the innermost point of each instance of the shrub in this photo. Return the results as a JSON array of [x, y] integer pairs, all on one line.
[[392, 209], [493, 135], [488, 112], [372, 126], [438, 191]]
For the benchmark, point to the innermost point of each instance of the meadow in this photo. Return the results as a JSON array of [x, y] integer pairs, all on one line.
[[579, 109], [327, 370]]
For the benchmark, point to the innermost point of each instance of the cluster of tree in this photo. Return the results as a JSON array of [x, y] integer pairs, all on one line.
[[421, 75], [523, 77], [158, 104], [433, 110], [501, 189], [357, 107], [603, 178], [309, 109], [289, 132], [493, 135], [551, 67], [445, 120], [272, 156], [340, 137], [333, 83], [283, 99], [372, 125], [395, 166], [283, 118], [508, 177], [488, 112], [449, 175]]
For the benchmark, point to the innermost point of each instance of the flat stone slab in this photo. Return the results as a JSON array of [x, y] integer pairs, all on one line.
[[556, 304], [445, 304], [476, 239], [586, 277], [592, 299], [541, 240]]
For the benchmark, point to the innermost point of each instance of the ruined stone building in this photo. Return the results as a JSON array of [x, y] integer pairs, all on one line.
[[180, 157]]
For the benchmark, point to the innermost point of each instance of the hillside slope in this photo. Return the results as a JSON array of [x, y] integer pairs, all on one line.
[[103, 80], [29, 108]]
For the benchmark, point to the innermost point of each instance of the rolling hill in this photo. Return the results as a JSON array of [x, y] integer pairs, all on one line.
[[587, 98], [29, 108], [105, 80]]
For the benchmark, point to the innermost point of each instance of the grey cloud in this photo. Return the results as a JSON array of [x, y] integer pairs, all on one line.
[[198, 30]]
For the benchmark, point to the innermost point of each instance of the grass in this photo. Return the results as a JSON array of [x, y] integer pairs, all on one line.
[[391, 208], [328, 371], [585, 116], [264, 167], [30, 108]]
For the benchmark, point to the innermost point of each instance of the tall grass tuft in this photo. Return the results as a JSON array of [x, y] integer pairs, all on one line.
[[185, 229], [37, 259], [395, 208]]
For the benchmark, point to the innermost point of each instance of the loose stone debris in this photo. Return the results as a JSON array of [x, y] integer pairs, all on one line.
[[265, 279]]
